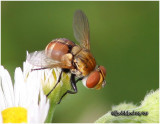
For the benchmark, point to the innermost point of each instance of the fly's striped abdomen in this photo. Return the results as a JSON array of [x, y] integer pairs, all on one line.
[[58, 47]]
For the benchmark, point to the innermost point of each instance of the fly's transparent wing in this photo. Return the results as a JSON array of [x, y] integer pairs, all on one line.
[[39, 59], [81, 29]]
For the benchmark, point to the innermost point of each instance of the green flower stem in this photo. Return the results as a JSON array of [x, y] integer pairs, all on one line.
[[50, 113], [56, 94], [150, 104]]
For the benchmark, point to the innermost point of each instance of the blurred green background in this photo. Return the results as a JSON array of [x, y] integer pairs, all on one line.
[[124, 38]]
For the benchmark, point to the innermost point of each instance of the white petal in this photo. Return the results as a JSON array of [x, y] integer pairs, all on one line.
[[49, 76], [21, 94], [43, 106], [7, 87], [2, 98], [33, 114], [3, 101], [34, 83], [0, 118], [18, 86]]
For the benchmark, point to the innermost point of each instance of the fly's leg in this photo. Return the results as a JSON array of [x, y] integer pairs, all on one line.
[[74, 87], [79, 79], [59, 78], [39, 69]]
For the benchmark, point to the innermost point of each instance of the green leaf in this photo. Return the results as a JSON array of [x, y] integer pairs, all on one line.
[[149, 106]]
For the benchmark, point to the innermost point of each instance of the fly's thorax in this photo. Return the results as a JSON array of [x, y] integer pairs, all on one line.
[[58, 47], [67, 60], [84, 62], [76, 49]]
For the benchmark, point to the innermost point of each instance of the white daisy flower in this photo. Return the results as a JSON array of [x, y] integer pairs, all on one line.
[[24, 100]]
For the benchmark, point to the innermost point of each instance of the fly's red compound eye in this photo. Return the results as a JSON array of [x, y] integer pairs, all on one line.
[[93, 79]]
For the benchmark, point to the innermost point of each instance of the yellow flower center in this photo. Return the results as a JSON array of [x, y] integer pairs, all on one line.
[[14, 115]]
